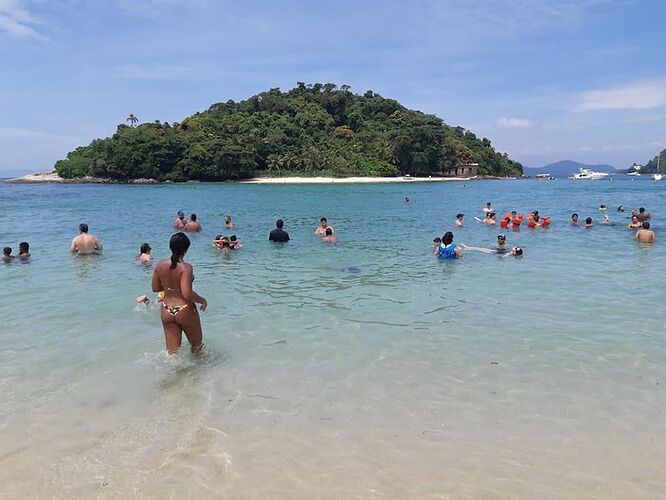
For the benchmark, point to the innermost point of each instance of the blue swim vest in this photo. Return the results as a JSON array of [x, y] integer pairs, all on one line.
[[447, 252]]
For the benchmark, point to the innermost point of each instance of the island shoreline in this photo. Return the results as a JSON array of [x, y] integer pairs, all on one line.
[[54, 178]]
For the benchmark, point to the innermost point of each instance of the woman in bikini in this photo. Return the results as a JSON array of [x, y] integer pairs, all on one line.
[[179, 312]]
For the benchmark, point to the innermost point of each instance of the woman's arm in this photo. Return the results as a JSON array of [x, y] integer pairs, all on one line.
[[186, 288], [156, 283]]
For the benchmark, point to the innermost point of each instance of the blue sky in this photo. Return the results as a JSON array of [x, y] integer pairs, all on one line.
[[545, 80]]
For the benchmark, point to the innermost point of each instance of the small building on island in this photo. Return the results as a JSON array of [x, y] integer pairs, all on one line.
[[462, 170]]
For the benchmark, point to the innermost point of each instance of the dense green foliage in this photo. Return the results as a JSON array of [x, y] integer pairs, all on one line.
[[651, 166], [311, 130]]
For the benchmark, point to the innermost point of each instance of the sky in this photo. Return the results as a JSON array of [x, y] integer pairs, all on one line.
[[544, 80]]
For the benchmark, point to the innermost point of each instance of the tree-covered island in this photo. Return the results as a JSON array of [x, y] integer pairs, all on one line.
[[316, 129]]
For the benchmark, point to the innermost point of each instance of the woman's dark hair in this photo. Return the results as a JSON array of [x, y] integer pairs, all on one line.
[[329, 231], [24, 247], [7, 250], [447, 239], [588, 220], [574, 215], [179, 243]]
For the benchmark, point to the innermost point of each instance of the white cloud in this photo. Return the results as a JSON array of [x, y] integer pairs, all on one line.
[[506, 122], [641, 94], [17, 21]]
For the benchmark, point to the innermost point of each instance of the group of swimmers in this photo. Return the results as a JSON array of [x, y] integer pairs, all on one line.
[[23, 253], [446, 248], [173, 277], [639, 221]]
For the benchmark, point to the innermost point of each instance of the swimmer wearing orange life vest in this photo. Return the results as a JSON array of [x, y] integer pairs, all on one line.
[[515, 218], [536, 221]]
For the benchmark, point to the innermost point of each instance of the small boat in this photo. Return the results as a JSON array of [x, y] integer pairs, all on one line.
[[545, 177], [587, 174], [657, 176], [635, 170]]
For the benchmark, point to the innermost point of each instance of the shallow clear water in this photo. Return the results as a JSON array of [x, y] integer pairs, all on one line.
[[366, 369]]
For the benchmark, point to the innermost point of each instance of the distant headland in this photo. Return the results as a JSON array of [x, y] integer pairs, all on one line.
[[314, 130]]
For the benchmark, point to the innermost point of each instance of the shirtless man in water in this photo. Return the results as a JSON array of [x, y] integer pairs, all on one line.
[[323, 226], [84, 243], [192, 226], [645, 234]]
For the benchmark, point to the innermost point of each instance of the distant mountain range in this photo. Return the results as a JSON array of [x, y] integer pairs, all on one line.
[[565, 168]]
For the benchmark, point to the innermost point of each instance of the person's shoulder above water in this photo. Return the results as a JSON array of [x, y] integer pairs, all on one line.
[[645, 234], [323, 226], [279, 235], [84, 243], [192, 225], [329, 237], [24, 251], [7, 254], [447, 249]]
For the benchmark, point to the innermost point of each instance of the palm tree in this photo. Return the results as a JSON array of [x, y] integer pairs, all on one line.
[[132, 119]]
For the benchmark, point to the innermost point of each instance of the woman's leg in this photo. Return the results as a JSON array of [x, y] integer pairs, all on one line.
[[173, 333], [191, 325]]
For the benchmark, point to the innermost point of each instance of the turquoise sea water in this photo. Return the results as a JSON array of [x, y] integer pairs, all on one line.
[[365, 369]]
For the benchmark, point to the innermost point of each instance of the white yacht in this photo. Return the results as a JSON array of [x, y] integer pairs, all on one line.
[[657, 176], [635, 170], [587, 174]]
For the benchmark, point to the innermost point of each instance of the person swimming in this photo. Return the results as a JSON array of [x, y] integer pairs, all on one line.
[[323, 226], [645, 234], [179, 314], [144, 254], [192, 226], [84, 243], [329, 237], [447, 249], [7, 256], [228, 223], [574, 219], [500, 246], [24, 250], [588, 222], [635, 223], [221, 242], [234, 244], [459, 220]]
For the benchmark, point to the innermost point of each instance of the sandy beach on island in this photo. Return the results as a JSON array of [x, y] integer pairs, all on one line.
[[347, 180], [52, 177], [37, 177]]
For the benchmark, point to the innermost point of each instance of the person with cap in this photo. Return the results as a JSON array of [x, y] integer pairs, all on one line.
[[500, 246], [180, 221]]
